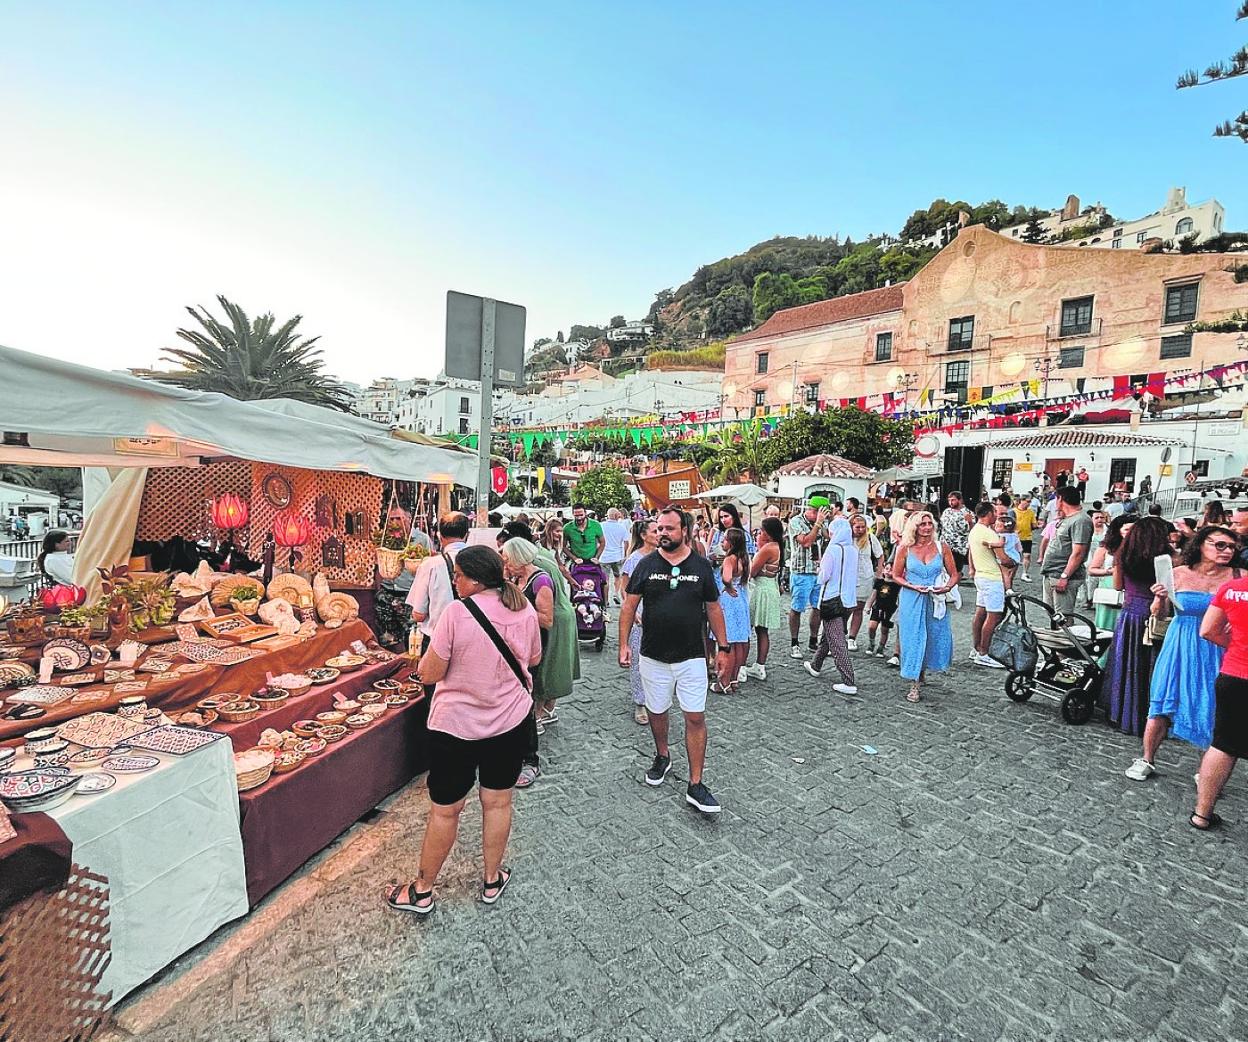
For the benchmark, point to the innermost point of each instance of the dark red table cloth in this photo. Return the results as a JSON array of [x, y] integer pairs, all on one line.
[[38, 858], [293, 816]]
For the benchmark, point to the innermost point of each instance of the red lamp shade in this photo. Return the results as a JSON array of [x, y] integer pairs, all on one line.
[[63, 597], [291, 529], [229, 511]]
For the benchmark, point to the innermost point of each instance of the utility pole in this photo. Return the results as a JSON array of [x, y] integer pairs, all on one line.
[[906, 381], [1044, 366]]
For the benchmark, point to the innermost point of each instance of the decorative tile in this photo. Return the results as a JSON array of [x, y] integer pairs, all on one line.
[[174, 739]]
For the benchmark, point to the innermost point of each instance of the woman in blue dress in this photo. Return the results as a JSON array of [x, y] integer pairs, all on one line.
[[727, 517], [731, 578], [1181, 695], [925, 570]]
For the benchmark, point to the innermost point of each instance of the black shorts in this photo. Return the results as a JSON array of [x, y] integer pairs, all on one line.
[[1230, 715], [456, 763], [884, 605], [959, 560], [1026, 543]]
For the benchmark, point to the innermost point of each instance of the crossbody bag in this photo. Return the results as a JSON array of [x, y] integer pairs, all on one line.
[[503, 649]]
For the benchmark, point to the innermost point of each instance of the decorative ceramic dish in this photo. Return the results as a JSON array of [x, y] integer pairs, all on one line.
[[156, 665], [95, 694], [40, 695], [59, 758], [386, 686], [397, 699], [7, 755], [331, 717], [100, 654], [41, 738], [365, 698], [312, 746], [332, 732], [31, 790], [131, 764], [77, 679], [130, 686], [177, 741], [67, 654], [94, 783], [322, 675], [115, 676], [359, 720], [97, 729], [346, 662], [90, 757]]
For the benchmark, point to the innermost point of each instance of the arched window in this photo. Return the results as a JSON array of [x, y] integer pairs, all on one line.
[[1184, 227]]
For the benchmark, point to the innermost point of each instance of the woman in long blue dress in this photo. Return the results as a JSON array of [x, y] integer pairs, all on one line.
[[1129, 673], [731, 578], [1181, 695], [925, 570]]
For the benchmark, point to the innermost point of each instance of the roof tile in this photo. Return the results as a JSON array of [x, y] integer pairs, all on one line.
[[826, 312]]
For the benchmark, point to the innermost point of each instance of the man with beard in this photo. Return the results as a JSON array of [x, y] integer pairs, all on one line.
[[676, 589]]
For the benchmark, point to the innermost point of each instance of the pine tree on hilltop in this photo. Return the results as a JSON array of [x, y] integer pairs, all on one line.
[[1034, 233]]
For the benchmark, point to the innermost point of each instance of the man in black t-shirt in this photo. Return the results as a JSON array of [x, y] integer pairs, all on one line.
[[677, 589]]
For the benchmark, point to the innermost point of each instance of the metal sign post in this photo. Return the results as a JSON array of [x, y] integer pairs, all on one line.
[[485, 430]]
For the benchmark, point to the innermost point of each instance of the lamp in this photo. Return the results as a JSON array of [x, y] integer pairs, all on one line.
[[229, 513], [291, 530]]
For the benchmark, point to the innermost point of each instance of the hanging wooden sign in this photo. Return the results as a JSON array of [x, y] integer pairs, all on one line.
[[333, 553]]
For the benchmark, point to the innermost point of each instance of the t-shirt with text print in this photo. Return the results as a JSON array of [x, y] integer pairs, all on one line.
[[673, 597], [1232, 598]]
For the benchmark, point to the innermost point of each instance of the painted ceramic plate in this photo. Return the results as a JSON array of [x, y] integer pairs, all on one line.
[[33, 785], [40, 695], [131, 764], [68, 654], [90, 757], [96, 782], [178, 741]]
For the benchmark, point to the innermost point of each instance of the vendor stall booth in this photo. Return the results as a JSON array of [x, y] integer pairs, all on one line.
[[212, 674]]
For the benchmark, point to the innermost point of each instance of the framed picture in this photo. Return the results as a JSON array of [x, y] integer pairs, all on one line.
[[277, 490]]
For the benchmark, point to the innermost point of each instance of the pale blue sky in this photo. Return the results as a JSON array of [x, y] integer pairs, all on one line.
[[351, 162]]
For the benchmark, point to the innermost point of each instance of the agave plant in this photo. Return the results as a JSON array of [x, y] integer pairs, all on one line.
[[252, 358]]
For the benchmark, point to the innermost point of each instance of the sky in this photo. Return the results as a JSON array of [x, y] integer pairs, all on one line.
[[351, 162]]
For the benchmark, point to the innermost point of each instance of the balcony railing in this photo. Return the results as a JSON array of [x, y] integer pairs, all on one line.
[[1066, 331]]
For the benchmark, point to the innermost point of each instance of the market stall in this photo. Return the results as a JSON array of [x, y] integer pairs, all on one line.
[[213, 674]]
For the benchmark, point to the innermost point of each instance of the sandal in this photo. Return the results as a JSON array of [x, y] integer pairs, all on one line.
[[419, 902], [1213, 821], [498, 886], [528, 775], [913, 694]]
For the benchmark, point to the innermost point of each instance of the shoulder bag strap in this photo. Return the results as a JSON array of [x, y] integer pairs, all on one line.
[[499, 643], [450, 575]]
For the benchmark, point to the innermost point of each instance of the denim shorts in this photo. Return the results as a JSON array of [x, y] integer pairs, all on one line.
[[805, 591]]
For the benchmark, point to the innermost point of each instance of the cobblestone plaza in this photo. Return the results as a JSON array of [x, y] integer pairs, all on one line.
[[964, 868]]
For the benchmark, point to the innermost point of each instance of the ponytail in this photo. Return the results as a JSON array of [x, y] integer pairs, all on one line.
[[512, 597]]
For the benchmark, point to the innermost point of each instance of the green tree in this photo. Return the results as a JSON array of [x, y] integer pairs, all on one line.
[[587, 333], [1237, 65], [616, 322], [730, 312], [541, 342], [515, 495], [737, 456], [252, 358], [559, 337], [860, 435], [1034, 233], [774, 293], [601, 488]]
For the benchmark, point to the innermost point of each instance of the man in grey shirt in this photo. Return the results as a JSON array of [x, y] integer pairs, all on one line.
[[1063, 566]]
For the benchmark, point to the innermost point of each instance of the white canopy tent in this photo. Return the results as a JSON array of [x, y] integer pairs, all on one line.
[[748, 495], [60, 414]]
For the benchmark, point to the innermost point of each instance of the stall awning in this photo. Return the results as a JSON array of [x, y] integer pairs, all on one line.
[[72, 415]]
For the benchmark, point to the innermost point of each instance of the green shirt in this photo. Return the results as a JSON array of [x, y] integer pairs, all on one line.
[[583, 544]]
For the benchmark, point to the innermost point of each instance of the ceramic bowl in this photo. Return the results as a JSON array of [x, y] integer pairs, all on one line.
[[332, 732], [132, 707], [397, 699], [7, 754], [40, 738], [90, 757], [365, 698]]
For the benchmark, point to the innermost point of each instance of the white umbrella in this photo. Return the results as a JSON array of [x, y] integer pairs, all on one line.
[[748, 495]]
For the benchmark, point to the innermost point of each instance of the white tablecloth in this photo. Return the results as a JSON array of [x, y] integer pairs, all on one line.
[[169, 843]]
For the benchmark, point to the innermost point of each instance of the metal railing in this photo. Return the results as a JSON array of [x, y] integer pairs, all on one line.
[[28, 549]]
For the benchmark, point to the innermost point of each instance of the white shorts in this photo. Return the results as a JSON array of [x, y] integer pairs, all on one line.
[[990, 594], [686, 679]]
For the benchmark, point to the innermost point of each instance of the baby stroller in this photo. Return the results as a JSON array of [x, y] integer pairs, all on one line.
[[1052, 652], [589, 594]]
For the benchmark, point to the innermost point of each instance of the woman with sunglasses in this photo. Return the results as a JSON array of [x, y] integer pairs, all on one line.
[[1181, 694]]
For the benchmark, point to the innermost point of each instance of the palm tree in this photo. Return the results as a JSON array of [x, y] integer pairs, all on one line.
[[739, 456], [249, 359]]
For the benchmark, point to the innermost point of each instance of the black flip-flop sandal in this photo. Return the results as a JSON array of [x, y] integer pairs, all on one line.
[[498, 886], [1213, 821], [413, 895]]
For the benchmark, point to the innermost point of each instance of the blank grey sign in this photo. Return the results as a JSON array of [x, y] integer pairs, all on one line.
[[463, 339]]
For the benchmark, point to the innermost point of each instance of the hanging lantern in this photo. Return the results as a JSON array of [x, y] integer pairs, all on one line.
[[229, 512], [63, 596], [291, 530]]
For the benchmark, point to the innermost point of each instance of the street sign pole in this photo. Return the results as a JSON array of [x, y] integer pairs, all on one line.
[[484, 431]]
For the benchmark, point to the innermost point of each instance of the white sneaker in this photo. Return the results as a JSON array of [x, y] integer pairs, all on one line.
[[1026, 578], [974, 655], [758, 672], [810, 669], [795, 651], [845, 689], [743, 674], [894, 661], [991, 663], [1140, 769], [851, 644]]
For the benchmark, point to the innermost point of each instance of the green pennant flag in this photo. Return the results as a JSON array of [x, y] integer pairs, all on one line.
[[528, 444], [471, 441], [635, 434]]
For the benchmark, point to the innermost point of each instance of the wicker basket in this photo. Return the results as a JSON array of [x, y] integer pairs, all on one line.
[[239, 716], [254, 779], [389, 563], [288, 760]]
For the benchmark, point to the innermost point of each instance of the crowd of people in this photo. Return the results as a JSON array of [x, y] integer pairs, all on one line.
[[498, 628]]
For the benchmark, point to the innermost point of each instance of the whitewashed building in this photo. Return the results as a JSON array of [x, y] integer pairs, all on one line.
[[822, 475], [588, 394]]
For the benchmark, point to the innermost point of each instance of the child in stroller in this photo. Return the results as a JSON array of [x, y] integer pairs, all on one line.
[[588, 600]]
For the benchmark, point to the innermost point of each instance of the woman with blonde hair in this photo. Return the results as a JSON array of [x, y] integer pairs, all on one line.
[[925, 570]]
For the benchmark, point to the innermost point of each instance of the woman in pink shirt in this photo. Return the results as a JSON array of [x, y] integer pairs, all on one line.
[[476, 719]]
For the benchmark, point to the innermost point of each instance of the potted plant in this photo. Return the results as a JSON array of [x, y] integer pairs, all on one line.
[[76, 622], [246, 598], [412, 555], [390, 541]]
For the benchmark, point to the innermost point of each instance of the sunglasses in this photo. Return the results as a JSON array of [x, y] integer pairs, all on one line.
[[675, 579]]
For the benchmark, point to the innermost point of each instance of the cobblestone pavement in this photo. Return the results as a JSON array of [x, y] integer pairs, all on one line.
[[965, 868]]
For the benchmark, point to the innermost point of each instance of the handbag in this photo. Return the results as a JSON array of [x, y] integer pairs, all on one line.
[[833, 607], [1108, 596], [1155, 630], [508, 656], [1015, 647]]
